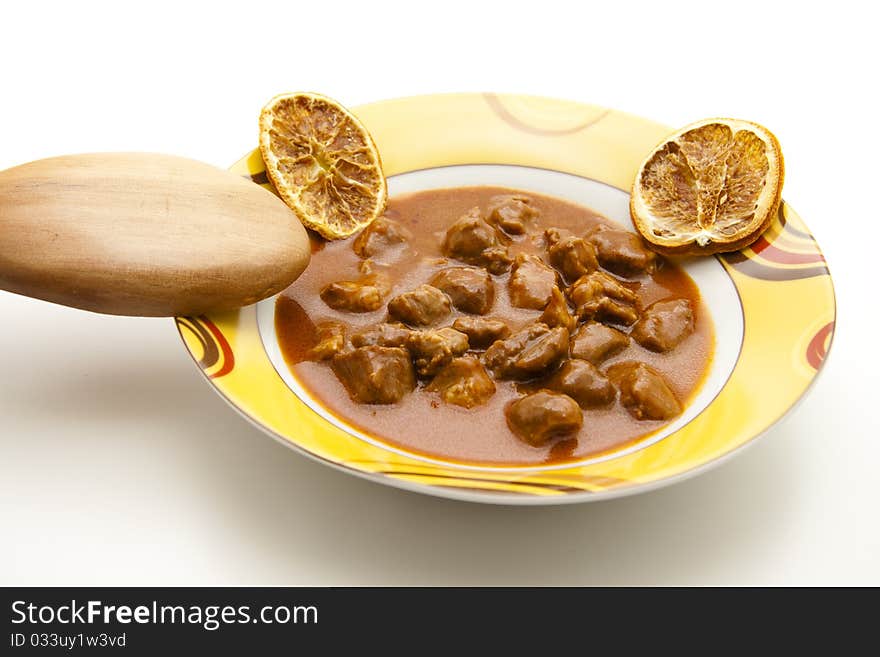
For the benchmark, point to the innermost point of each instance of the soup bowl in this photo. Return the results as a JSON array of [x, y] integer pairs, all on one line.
[[772, 306]]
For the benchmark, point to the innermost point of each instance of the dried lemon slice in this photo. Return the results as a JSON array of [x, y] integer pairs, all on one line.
[[711, 187], [323, 163]]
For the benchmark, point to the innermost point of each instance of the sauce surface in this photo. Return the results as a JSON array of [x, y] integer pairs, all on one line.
[[421, 422]]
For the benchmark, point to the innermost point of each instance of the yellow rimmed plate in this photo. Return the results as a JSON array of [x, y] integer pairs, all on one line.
[[772, 304]]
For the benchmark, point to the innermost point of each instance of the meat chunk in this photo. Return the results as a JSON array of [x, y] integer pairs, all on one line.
[[621, 251], [472, 240], [383, 335], [643, 391], [603, 284], [572, 256], [363, 296], [470, 289], [433, 349], [595, 342], [528, 352], [496, 259], [599, 296], [556, 313], [511, 213], [481, 332], [463, 382], [423, 306], [531, 282], [664, 324], [382, 235], [329, 340], [469, 236], [582, 382], [543, 415], [375, 375]]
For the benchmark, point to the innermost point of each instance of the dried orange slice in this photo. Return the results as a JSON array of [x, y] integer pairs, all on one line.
[[323, 163], [711, 187]]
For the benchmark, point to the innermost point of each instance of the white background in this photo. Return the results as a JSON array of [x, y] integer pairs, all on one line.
[[120, 466]]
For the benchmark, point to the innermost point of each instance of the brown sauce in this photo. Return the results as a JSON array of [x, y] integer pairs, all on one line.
[[420, 422]]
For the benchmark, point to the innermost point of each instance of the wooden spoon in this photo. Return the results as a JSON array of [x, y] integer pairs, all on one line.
[[144, 234]]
